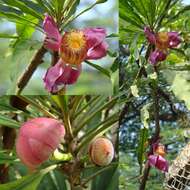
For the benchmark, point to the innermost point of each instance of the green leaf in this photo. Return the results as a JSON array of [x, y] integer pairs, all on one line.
[[29, 182], [100, 181], [35, 6], [55, 180], [5, 158], [8, 9], [6, 121], [24, 31], [16, 18], [61, 101], [143, 137], [99, 68], [3, 35], [23, 7]]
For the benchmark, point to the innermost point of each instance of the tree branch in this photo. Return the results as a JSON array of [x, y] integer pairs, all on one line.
[[29, 71]]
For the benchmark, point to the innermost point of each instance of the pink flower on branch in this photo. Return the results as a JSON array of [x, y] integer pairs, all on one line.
[[74, 47], [162, 41], [37, 140]]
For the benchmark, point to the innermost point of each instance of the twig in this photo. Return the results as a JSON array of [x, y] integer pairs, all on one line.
[[55, 58], [155, 137], [25, 77]]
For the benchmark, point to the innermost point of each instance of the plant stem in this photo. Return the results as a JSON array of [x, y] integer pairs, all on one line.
[[156, 135], [145, 176], [55, 58], [29, 71], [68, 126]]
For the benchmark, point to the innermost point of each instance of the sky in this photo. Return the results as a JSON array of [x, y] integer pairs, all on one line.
[[186, 1]]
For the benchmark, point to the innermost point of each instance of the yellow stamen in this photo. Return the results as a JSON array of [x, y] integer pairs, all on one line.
[[162, 40], [74, 47], [76, 40]]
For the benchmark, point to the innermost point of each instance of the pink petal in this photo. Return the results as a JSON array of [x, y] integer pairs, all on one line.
[[159, 162], [70, 75], [52, 74], [61, 74], [150, 35], [53, 37], [97, 52], [96, 43], [24, 153], [40, 127], [174, 39], [157, 56]]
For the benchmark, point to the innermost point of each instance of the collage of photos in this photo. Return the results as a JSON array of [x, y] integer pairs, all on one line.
[[95, 95]]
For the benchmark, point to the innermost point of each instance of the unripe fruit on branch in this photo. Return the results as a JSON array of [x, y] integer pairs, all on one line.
[[37, 140], [101, 151]]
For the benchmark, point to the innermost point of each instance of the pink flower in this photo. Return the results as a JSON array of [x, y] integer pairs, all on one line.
[[53, 37], [156, 56], [61, 74], [162, 41], [159, 162], [37, 140], [74, 47]]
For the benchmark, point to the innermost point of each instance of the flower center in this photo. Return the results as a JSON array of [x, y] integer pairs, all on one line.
[[162, 40], [73, 47], [76, 40]]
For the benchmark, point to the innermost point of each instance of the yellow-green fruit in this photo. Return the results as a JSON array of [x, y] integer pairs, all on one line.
[[101, 151]]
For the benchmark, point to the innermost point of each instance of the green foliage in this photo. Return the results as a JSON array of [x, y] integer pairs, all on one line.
[[29, 182], [84, 118], [140, 79]]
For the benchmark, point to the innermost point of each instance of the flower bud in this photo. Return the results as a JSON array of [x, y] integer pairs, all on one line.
[[101, 151], [37, 140]]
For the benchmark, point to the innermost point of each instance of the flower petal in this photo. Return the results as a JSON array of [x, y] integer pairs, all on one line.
[[94, 36], [159, 162], [61, 74], [97, 47], [97, 52], [52, 74], [53, 37], [174, 39], [150, 35], [70, 74], [157, 56]]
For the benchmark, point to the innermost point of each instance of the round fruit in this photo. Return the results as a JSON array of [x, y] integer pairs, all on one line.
[[101, 151]]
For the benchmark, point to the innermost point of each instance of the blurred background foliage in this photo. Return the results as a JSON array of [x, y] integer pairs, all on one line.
[[99, 116], [173, 80], [16, 53]]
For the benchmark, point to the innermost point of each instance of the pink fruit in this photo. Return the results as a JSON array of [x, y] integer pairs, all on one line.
[[101, 151], [37, 139]]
